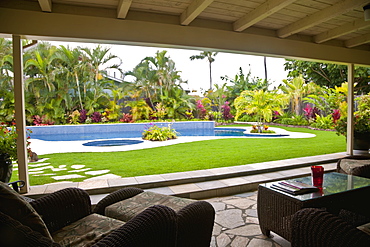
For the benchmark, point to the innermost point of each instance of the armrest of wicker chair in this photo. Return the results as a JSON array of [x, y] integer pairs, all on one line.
[[362, 171], [13, 233], [63, 207], [156, 227], [114, 197], [195, 224], [318, 228]]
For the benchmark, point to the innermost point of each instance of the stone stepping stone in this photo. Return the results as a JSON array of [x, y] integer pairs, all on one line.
[[77, 166], [81, 170], [97, 172], [37, 165], [106, 176], [67, 177]]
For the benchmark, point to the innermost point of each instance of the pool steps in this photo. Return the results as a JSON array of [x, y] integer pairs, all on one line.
[[201, 184]]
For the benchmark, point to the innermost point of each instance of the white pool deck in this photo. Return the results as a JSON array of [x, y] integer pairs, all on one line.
[[47, 147]]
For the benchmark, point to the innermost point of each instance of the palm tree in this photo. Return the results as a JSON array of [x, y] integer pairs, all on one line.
[[210, 57], [73, 66], [296, 89], [261, 103]]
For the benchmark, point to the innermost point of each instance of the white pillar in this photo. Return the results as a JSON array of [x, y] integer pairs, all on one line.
[[350, 108], [20, 112]]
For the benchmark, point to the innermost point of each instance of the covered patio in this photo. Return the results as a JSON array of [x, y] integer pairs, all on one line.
[[329, 31]]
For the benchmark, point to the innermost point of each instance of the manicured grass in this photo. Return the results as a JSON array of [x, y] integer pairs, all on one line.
[[197, 155]]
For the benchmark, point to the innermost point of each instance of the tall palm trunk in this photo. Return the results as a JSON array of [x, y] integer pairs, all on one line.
[[210, 75], [78, 90]]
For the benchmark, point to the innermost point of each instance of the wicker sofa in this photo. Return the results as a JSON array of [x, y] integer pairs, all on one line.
[[65, 218], [195, 218], [312, 227], [357, 165]]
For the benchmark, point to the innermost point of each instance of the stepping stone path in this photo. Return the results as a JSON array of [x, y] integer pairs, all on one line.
[[75, 171], [236, 223]]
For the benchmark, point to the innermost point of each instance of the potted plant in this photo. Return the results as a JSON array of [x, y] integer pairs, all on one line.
[[8, 151], [361, 124]]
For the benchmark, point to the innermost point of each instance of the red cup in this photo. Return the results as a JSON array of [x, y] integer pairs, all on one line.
[[317, 173]]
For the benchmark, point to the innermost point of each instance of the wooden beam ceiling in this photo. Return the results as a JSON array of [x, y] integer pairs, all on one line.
[[321, 16], [194, 9], [328, 22], [342, 30], [358, 41], [122, 9], [264, 10], [45, 5]]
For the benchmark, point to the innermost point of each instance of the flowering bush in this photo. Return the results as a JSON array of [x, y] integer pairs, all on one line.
[[126, 118], [96, 117], [83, 116], [361, 118], [155, 133], [226, 111], [8, 142]]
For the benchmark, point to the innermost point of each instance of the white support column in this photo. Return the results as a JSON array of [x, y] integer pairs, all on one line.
[[350, 108], [20, 112]]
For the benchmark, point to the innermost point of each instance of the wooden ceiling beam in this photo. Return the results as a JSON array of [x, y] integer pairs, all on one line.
[[358, 41], [122, 9], [194, 9], [45, 5], [321, 16], [261, 12], [342, 30]]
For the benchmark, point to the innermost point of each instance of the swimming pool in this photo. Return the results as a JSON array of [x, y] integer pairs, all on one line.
[[125, 130], [134, 134], [133, 130]]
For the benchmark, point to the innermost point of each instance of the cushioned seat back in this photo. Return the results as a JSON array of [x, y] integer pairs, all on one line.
[[13, 205]]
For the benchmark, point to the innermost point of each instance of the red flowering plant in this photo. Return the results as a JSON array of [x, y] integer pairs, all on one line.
[[8, 142], [361, 118]]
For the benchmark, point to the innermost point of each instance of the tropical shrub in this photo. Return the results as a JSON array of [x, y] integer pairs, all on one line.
[[8, 142], [96, 117], [323, 122], [260, 103], [126, 118], [361, 117], [75, 117], [155, 133]]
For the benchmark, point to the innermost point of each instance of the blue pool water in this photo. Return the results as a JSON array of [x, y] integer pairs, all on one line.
[[134, 134]]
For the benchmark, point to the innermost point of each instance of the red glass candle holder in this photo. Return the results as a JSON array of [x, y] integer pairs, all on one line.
[[317, 173]]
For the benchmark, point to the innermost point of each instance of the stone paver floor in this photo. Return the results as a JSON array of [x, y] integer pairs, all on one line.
[[236, 223]]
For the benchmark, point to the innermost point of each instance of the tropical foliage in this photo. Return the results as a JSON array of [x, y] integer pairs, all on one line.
[[66, 85], [156, 133]]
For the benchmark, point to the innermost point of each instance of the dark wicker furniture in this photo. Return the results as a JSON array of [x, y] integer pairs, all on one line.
[[156, 226], [195, 218], [276, 208], [361, 169], [312, 227]]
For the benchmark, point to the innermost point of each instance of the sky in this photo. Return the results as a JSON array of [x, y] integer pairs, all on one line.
[[196, 72]]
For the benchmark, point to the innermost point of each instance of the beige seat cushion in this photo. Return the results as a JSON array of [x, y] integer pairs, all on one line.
[[13, 205], [365, 228], [129, 208], [349, 164], [86, 231]]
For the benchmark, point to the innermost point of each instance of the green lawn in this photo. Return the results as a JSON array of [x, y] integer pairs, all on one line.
[[195, 155]]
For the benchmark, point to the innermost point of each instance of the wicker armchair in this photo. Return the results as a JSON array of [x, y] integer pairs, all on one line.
[[355, 164], [313, 227], [195, 218], [64, 218]]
